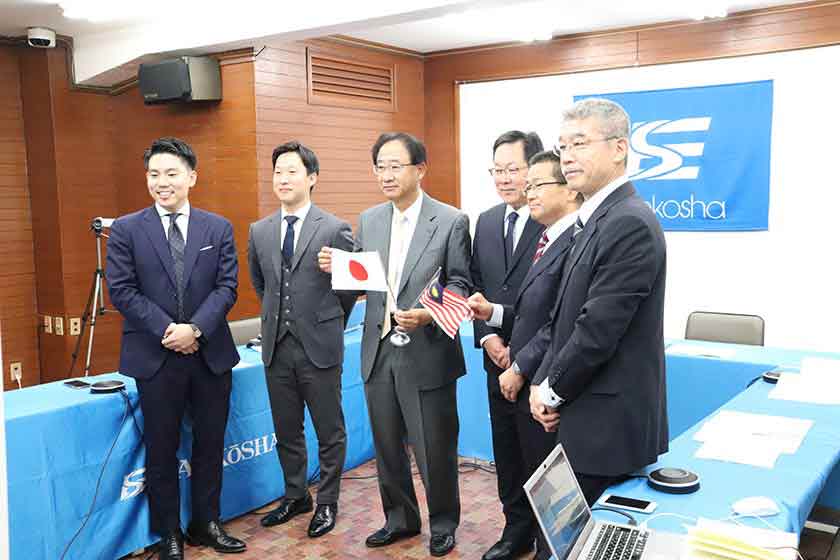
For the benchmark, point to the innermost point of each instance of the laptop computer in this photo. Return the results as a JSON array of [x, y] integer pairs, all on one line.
[[572, 533]]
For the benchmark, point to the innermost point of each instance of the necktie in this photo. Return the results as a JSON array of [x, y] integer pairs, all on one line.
[[578, 228], [394, 271], [176, 248], [541, 247], [289, 240], [511, 228], [575, 232]]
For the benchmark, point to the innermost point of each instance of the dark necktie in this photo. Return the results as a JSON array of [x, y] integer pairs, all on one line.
[[578, 225], [578, 228], [289, 240], [511, 228], [176, 248], [541, 247]]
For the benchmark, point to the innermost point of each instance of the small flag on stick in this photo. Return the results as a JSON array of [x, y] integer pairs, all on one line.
[[448, 309]]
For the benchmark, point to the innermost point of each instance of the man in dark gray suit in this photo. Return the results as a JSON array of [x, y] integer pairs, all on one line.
[[411, 390], [604, 363], [302, 333], [554, 205]]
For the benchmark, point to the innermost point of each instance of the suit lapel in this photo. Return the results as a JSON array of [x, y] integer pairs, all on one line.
[[624, 191], [380, 234], [531, 230], [307, 232], [554, 252], [426, 226], [196, 233], [153, 227], [275, 244]]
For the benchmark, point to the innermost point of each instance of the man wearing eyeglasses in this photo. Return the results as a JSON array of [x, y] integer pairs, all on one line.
[[601, 383], [503, 248], [410, 390], [553, 205]]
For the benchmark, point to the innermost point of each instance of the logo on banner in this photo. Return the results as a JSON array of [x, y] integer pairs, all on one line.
[[700, 157], [135, 482]]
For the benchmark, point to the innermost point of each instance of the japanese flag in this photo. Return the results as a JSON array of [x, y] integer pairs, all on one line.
[[358, 271]]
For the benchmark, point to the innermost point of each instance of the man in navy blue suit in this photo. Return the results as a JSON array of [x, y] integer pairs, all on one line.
[[172, 274], [503, 248], [553, 205], [604, 363]]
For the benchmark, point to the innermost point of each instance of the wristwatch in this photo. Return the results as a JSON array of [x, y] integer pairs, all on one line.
[[196, 330]]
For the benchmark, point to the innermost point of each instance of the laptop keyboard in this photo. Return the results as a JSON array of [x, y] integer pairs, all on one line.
[[618, 543]]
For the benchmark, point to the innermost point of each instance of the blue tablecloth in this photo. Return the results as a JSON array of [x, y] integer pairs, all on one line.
[[794, 483], [57, 439]]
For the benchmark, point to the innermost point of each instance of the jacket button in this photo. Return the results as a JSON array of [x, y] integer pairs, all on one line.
[[379, 326], [505, 288]]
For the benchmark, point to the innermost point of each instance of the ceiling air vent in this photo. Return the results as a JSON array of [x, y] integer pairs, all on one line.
[[345, 83]]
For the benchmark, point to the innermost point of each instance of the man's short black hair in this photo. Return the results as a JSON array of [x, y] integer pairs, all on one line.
[[307, 156], [171, 145], [549, 156], [531, 142], [415, 147]]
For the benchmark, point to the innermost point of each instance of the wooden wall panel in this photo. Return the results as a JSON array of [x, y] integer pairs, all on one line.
[[223, 136], [341, 137], [18, 318], [777, 29]]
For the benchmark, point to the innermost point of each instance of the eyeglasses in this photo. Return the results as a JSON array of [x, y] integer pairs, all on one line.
[[394, 168], [510, 171], [578, 145], [537, 189]]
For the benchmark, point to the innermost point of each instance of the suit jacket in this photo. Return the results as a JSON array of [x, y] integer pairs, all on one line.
[[319, 314], [141, 282], [441, 239], [499, 283], [532, 308], [606, 354]]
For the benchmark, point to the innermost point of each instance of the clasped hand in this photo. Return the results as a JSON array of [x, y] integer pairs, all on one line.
[[180, 338]]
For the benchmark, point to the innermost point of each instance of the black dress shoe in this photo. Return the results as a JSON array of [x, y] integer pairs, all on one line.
[[442, 544], [385, 536], [323, 521], [288, 508], [171, 546], [507, 550], [212, 534]]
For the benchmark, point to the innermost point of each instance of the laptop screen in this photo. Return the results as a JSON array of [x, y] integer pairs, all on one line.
[[559, 504]]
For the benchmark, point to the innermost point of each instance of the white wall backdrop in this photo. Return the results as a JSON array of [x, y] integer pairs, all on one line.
[[788, 274]]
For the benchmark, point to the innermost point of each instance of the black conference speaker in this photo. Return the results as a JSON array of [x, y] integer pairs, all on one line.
[[183, 79]]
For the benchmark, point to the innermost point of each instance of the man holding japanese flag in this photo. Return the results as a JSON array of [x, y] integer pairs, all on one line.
[[410, 389]]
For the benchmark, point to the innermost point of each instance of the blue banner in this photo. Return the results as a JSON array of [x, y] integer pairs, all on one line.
[[700, 157]]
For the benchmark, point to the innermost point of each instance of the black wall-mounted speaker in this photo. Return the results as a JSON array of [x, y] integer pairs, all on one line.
[[180, 80]]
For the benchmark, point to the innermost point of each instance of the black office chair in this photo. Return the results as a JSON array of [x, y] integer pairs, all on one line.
[[725, 327]]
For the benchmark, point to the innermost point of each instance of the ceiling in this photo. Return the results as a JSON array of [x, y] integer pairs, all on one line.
[[119, 34], [516, 20]]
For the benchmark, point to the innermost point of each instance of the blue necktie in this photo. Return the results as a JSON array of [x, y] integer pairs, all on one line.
[[289, 240], [511, 227], [176, 248]]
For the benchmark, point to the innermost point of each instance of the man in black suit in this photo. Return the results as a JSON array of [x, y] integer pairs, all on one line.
[[302, 332], [503, 248], [555, 206], [172, 274], [601, 384]]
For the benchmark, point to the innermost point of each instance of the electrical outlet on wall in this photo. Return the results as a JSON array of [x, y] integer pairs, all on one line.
[[47, 324], [16, 371], [59, 326], [75, 326]]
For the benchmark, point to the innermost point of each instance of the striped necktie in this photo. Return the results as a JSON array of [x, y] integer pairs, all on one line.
[[541, 247], [176, 248]]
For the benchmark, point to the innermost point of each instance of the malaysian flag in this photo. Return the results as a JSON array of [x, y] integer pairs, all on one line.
[[448, 309]]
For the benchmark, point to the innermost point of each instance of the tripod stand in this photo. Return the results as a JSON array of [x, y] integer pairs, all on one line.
[[96, 298]]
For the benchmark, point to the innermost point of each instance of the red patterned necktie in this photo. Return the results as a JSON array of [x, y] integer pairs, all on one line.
[[541, 247]]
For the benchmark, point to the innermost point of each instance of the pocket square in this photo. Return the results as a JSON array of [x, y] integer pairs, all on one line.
[[205, 248]]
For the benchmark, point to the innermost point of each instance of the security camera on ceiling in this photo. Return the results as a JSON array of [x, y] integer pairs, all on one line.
[[40, 37]]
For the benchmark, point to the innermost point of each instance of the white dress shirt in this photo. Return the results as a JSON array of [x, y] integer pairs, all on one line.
[[396, 258], [301, 213], [183, 221]]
